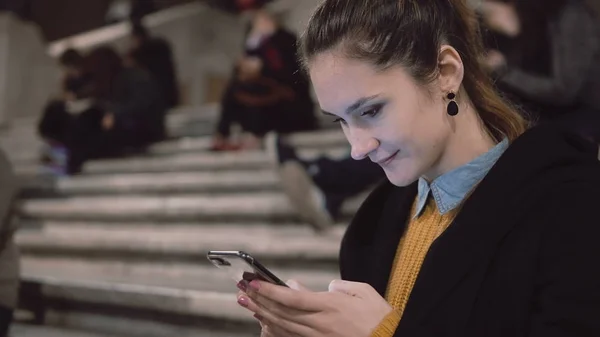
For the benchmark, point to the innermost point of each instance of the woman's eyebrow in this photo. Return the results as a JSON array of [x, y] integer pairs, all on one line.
[[359, 103]]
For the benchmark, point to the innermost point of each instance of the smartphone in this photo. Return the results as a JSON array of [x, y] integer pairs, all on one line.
[[242, 266]]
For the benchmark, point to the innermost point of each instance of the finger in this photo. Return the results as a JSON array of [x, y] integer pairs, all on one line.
[[350, 288], [274, 331], [280, 316], [299, 300], [296, 285], [246, 302], [280, 327], [257, 303]]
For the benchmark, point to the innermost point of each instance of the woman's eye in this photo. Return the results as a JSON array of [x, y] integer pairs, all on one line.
[[339, 120], [374, 111]]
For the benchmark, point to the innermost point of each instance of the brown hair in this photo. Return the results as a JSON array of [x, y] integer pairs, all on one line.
[[410, 33], [103, 64]]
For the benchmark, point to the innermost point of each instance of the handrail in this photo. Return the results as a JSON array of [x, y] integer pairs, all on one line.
[[107, 34]]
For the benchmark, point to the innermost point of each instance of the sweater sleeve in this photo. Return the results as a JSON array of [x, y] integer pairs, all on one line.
[[387, 327], [574, 44]]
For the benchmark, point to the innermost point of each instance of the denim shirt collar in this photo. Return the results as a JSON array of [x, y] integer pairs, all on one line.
[[450, 189]]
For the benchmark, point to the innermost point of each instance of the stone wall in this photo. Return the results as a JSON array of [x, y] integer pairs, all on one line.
[[29, 76]]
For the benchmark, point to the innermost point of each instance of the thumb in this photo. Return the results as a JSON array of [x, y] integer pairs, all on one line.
[[296, 285], [349, 288]]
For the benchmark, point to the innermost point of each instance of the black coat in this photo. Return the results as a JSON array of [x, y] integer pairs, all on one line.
[[156, 56], [138, 105], [520, 259]]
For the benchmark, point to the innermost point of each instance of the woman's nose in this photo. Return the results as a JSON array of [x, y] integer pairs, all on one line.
[[361, 148]]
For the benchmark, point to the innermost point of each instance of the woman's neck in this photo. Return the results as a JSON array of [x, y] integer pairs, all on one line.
[[467, 140]]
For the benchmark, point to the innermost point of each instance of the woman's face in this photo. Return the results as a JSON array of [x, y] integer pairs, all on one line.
[[385, 115]]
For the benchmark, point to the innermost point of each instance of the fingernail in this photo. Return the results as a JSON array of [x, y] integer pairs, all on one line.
[[243, 285], [258, 317], [243, 301], [255, 285]]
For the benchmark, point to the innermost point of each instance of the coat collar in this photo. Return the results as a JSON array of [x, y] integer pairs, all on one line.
[[450, 189]]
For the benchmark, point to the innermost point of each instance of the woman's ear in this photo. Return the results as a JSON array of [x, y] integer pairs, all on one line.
[[451, 70]]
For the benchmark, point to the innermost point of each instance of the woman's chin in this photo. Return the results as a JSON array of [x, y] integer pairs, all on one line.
[[400, 177]]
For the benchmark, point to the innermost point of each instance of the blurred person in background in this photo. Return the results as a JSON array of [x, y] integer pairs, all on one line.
[[131, 110], [58, 115], [140, 8], [155, 55], [9, 256], [318, 188], [268, 91], [552, 67]]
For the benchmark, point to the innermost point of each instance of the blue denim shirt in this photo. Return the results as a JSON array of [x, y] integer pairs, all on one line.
[[450, 189]]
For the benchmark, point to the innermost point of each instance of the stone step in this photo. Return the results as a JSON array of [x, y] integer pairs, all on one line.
[[267, 206], [30, 330], [314, 139], [185, 294], [258, 159], [181, 242], [24, 155], [156, 183], [174, 276], [200, 161], [67, 299], [80, 324], [22, 143]]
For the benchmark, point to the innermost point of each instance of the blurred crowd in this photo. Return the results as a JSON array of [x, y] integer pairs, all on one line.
[[544, 56], [110, 104]]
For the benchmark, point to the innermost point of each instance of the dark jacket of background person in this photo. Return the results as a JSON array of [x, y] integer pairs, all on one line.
[[156, 56], [278, 100], [141, 8], [129, 97], [131, 94], [9, 259], [555, 65], [138, 105], [76, 85], [520, 259]]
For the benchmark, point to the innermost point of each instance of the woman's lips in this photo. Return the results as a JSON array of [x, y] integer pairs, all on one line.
[[388, 159]]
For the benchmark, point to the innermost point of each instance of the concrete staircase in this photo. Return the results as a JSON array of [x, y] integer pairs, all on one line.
[[121, 249]]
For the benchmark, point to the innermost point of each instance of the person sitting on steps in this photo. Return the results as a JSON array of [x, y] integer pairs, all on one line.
[[318, 188], [268, 92]]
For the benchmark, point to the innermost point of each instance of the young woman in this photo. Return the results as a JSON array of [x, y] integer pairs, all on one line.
[[485, 228]]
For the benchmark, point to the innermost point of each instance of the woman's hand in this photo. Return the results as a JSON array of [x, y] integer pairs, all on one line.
[[500, 17], [349, 309], [249, 68], [108, 122]]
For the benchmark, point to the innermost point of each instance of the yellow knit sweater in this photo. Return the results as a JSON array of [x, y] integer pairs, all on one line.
[[413, 246]]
